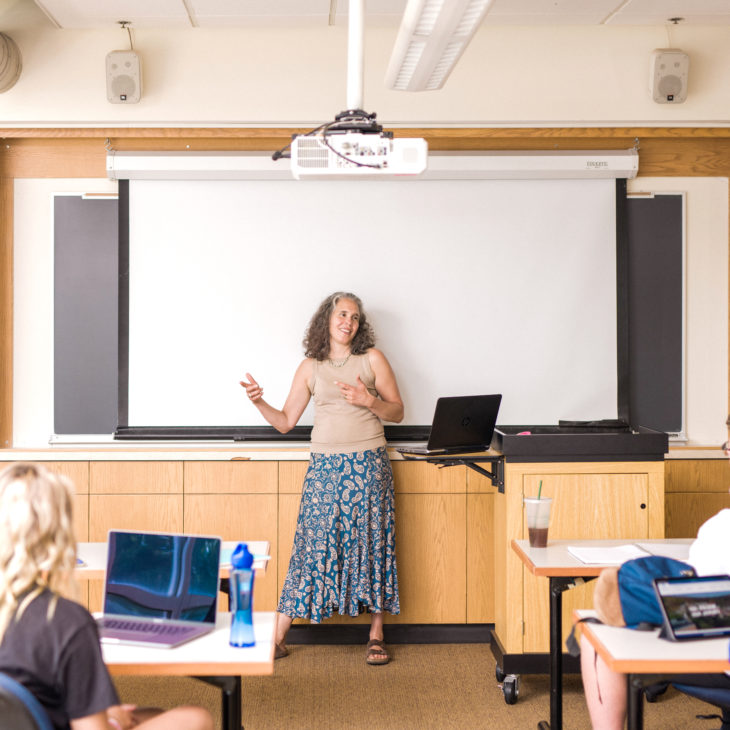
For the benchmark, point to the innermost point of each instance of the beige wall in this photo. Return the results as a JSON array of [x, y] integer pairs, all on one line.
[[508, 75]]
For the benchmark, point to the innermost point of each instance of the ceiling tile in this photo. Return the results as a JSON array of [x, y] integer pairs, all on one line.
[[658, 12], [106, 13], [553, 12]]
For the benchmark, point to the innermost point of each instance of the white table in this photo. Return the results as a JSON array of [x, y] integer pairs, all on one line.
[[563, 570], [641, 653], [209, 658]]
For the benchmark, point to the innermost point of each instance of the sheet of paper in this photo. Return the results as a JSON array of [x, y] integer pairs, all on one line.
[[607, 555], [676, 550]]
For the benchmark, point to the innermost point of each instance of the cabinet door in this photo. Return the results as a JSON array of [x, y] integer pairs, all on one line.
[[239, 517], [136, 477], [153, 512], [585, 506], [413, 477], [685, 512], [78, 474], [696, 489], [230, 477], [431, 558], [480, 558]]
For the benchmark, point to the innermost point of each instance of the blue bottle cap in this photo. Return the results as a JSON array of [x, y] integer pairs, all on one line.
[[241, 558]]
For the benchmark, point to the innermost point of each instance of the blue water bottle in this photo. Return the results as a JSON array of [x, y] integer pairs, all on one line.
[[241, 597]]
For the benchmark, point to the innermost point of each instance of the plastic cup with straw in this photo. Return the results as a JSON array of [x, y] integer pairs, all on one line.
[[537, 515]]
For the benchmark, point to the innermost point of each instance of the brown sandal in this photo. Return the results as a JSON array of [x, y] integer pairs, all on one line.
[[280, 651], [376, 653]]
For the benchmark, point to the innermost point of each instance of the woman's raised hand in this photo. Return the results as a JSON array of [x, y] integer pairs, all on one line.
[[253, 390], [356, 394]]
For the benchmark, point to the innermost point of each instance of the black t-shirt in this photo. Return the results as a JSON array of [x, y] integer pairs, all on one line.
[[59, 660]]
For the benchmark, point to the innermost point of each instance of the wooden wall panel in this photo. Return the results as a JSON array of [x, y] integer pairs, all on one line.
[[288, 513], [239, 517], [431, 558], [76, 471], [685, 512], [6, 312], [136, 477], [291, 476], [480, 585], [411, 477], [697, 475], [230, 477], [62, 158], [155, 512]]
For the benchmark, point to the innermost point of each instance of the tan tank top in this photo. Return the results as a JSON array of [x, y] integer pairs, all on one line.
[[340, 427]]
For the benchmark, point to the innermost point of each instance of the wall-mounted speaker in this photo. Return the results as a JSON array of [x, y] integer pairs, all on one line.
[[10, 62], [123, 78], [669, 72]]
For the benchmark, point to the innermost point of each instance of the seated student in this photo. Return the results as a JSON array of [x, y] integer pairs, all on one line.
[[48, 643], [606, 694]]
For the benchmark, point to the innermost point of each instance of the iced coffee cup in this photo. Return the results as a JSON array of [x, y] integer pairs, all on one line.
[[537, 516]]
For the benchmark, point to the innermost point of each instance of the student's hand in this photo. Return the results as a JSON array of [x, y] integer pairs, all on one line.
[[356, 394], [253, 390], [120, 717]]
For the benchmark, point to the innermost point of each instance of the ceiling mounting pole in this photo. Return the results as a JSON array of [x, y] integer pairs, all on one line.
[[355, 49]]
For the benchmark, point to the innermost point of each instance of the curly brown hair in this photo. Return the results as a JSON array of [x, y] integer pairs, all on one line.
[[317, 336]]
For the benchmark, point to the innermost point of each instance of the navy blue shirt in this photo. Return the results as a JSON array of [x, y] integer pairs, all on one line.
[[58, 661]]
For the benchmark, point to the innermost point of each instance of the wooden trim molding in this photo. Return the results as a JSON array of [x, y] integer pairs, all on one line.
[[6, 312]]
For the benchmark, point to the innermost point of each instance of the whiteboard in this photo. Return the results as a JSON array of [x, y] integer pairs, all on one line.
[[472, 286]]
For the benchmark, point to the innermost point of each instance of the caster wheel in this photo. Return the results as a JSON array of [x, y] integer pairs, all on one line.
[[510, 689], [499, 674]]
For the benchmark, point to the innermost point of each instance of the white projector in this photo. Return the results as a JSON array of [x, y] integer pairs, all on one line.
[[354, 154]]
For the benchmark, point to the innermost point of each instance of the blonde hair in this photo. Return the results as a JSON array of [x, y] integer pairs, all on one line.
[[37, 543]]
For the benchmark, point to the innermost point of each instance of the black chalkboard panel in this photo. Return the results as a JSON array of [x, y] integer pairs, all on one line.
[[85, 315], [656, 312]]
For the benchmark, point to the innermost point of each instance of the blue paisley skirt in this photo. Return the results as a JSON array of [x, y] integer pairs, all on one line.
[[343, 557]]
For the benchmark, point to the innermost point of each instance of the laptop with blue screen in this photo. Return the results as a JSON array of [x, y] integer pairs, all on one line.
[[160, 589]]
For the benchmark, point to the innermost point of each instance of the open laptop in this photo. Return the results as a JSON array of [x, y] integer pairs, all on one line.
[[461, 424], [694, 607], [160, 589]]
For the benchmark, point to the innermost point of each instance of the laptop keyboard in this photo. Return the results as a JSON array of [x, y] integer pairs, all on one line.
[[148, 628]]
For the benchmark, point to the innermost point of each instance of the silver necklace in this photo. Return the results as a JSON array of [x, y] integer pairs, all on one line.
[[339, 363]]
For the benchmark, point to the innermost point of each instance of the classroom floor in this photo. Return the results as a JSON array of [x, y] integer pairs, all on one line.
[[446, 686]]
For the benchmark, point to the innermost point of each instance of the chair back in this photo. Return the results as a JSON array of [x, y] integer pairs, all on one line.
[[718, 696], [19, 709]]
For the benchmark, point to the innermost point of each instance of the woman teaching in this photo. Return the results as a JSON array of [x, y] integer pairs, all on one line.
[[343, 557]]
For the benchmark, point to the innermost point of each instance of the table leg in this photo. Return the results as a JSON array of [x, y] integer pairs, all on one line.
[[634, 688], [230, 687], [557, 586]]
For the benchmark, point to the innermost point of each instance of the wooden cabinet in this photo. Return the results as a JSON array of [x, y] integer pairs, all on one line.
[[696, 490], [453, 527], [590, 500]]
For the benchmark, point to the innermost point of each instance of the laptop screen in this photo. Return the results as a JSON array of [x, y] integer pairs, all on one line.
[[464, 421], [696, 607], [162, 576]]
